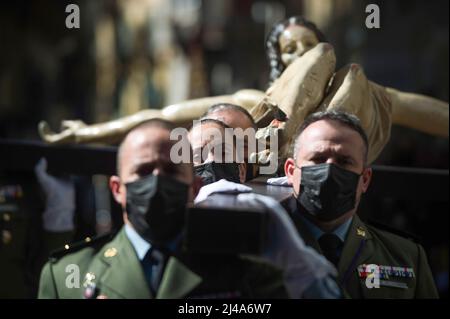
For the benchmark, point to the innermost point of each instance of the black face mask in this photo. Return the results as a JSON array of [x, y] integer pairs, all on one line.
[[327, 191], [212, 172], [156, 208]]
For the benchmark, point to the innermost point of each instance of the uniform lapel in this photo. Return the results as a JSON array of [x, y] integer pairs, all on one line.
[[308, 238], [306, 235], [177, 280], [357, 250], [125, 275]]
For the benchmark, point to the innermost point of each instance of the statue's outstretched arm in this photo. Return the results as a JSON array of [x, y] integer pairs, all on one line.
[[420, 112], [108, 132], [192, 109], [75, 131]]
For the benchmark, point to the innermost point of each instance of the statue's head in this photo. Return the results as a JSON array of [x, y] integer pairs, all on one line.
[[288, 40]]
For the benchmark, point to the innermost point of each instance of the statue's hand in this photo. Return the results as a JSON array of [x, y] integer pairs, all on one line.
[[265, 136], [264, 112], [72, 125], [67, 135]]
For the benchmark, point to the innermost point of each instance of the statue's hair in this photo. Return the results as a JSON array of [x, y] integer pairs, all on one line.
[[273, 48]]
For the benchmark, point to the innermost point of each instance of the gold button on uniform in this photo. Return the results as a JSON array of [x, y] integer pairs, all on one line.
[[110, 252], [361, 232]]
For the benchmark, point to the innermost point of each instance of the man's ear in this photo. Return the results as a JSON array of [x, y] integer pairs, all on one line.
[[196, 185], [116, 189], [289, 168], [366, 178], [242, 172]]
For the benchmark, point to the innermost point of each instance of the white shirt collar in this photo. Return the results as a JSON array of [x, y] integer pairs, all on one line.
[[141, 246]]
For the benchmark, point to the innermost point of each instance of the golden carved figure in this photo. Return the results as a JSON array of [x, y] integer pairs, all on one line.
[[304, 80]]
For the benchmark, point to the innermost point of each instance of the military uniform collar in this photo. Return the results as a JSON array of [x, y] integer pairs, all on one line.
[[356, 250], [341, 231], [357, 247], [125, 277], [177, 281]]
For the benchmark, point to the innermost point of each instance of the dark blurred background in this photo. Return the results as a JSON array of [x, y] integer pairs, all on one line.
[[130, 55]]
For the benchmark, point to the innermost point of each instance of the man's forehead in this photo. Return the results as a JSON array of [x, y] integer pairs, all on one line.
[[148, 143], [322, 134], [206, 133], [233, 118]]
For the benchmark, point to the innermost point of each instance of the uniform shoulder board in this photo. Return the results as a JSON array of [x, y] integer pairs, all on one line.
[[394, 231], [95, 242]]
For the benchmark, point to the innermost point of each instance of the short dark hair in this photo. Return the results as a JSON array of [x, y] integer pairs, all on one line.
[[344, 118], [273, 48], [208, 120], [228, 106], [155, 122], [152, 123]]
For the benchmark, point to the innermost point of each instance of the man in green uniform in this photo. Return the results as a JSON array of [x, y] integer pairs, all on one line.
[[329, 173], [144, 260]]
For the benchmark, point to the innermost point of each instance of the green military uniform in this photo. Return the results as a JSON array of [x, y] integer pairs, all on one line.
[[403, 264], [115, 270]]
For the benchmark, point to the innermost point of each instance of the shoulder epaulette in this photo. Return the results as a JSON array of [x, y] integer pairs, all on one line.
[[97, 241], [394, 231]]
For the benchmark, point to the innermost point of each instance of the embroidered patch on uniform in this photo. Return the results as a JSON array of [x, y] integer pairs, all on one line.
[[10, 192], [388, 271]]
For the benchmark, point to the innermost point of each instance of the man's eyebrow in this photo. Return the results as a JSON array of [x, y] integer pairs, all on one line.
[[345, 156], [314, 153], [142, 165], [163, 161]]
